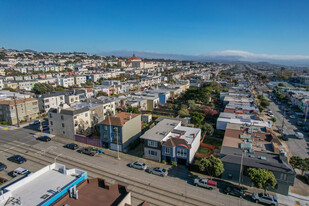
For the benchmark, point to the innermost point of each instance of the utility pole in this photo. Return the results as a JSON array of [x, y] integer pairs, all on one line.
[[282, 124], [16, 110], [117, 145], [241, 164], [306, 112]]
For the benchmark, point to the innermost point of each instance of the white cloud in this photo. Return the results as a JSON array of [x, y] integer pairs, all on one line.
[[244, 55]]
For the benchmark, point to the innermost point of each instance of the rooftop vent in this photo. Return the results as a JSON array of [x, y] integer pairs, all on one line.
[[262, 157]]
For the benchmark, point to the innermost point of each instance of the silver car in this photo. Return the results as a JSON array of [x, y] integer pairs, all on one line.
[[158, 171], [138, 165], [265, 198]]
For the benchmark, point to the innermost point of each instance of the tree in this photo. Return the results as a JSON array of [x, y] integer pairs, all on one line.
[[191, 104], [274, 119], [280, 85], [299, 163], [197, 118], [262, 178], [264, 103], [210, 112], [100, 93], [212, 165], [132, 109], [208, 128], [42, 88]]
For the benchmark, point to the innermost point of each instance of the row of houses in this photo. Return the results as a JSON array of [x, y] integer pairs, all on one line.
[[249, 141]]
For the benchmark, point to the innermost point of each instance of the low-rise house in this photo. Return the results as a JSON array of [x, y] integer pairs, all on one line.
[[51, 100], [118, 131], [255, 147], [242, 119], [170, 141]]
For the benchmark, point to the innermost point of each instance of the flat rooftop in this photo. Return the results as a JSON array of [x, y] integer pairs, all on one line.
[[38, 187], [96, 192]]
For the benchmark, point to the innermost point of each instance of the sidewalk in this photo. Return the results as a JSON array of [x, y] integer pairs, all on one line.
[[293, 199]]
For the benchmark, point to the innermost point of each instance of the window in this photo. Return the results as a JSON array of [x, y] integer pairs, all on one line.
[[62, 118], [105, 127], [167, 150], [152, 143], [182, 152], [51, 122], [152, 153], [86, 114], [50, 116], [62, 124], [63, 132]]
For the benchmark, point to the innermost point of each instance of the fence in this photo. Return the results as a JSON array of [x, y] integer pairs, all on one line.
[[87, 140]]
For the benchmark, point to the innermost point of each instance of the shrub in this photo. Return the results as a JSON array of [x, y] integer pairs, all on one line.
[[274, 119], [174, 163], [163, 161]]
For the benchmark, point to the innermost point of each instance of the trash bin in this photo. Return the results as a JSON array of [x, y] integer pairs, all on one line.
[[100, 150]]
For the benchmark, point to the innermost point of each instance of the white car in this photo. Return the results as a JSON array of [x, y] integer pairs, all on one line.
[[158, 171], [138, 165], [20, 171], [210, 184], [265, 198], [292, 117], [299, 135]]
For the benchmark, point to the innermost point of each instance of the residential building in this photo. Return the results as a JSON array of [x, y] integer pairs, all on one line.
[[97, 192], [77, 119], [123, 128], [79, 80], [24, 109], [242, 119], [43, 187], [255, 147], [52, 100], [66, 82], [170, 141]]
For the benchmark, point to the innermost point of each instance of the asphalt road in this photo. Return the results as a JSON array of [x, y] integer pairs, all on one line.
[[298, 147], [176, 189]]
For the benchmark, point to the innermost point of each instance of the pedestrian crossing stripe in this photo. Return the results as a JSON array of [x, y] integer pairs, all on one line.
[[15, 127], [6, 128]]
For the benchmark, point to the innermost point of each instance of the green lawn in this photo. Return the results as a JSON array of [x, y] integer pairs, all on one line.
[[203, 150], [212, 141]]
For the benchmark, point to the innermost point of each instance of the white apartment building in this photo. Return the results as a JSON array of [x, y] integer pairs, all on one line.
[[48, 101], [80, 80], [66, 81]]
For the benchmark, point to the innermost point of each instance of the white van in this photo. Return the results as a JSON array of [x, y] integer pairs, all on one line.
[[20, 171], [299, 135]]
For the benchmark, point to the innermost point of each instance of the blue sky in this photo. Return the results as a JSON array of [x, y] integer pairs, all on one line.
[[179, 27]]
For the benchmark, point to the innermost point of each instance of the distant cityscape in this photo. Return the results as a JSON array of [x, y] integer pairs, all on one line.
[[79, 125]]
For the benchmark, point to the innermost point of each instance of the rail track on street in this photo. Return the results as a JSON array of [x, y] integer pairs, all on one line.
[[141, 191]]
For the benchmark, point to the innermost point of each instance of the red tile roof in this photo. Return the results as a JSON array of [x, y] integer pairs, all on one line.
[[119, 120]]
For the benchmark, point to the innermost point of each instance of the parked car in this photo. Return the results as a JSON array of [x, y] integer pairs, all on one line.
[[300, 123], [235, 191], [299, 135], [17, 159], [45, 127], [35, 122], [305, 129], [44, 138], [158, 171], [71, 146], [138, 165], [265, 198], [89, 151], [20, 171], [2, 166], [210, 184], [292, 117], [285, 137]]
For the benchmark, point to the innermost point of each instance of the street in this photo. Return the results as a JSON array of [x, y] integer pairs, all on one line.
[[298, 147], [176, 189]]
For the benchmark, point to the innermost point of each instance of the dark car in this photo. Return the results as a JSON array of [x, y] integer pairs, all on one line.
[[306, 129], [44, 138], [89, 151], [235, 191], [17, 159], [2, 166], [71, 146]]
